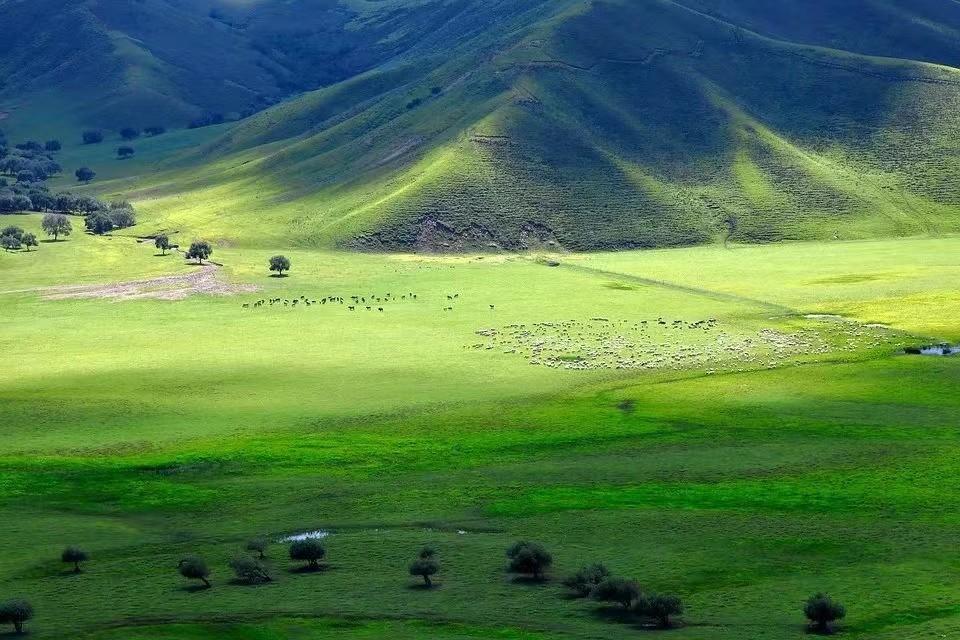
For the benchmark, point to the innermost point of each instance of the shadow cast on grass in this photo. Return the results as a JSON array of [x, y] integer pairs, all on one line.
[[310, 569]]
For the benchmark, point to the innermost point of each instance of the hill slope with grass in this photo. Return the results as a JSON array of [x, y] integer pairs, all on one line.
[[594, 125]]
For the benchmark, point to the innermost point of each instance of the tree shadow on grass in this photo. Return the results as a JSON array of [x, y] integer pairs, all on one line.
[[52, 241], [619, 615], [239, 582], [195, 588], [280, 275], [308, 569], [530, 581], [419, 586]]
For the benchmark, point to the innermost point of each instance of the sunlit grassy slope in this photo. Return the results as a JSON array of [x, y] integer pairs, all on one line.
[[597, 125], [145, 429]]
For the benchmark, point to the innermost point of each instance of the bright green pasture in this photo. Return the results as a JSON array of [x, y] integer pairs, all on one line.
[[145, 429]]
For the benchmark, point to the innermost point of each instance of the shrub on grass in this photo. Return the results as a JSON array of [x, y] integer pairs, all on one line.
[[129, 133], [529, 558], [85, 174], [822, 611], [620, 590], [56, 225], [257, 545], [92, 136], [194, 568], [155, 130], [310, 551], [122, 215], [199, 251], [249, 570], [660, 608], [74, 556], [279, 264], [16, 612], [588, 577], [125, 152], [29, 240], [424, 568]]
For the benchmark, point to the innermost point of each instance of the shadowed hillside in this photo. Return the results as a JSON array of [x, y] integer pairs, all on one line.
[[605, 124]]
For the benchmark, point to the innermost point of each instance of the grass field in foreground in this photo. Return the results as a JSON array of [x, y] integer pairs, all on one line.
[[146, 429]]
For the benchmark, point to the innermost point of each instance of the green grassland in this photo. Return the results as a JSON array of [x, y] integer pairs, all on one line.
[[743, 479]]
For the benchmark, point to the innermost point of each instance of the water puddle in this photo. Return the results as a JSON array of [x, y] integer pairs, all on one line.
[[943, 349]]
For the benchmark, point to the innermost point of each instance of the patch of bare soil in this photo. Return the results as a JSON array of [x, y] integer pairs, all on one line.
[[203, 281]]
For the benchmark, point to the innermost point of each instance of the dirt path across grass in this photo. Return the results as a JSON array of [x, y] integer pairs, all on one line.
[[202, 281]]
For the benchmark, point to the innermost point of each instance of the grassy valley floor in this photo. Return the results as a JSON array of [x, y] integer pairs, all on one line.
[[738, 426]]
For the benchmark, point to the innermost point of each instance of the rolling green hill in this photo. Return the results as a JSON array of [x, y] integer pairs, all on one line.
[[591, 125]]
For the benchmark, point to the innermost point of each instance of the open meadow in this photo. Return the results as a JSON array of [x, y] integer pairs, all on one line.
[[739, 426]]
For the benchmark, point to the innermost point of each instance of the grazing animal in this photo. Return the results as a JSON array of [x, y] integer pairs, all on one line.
[[379, 308], [351, 308]]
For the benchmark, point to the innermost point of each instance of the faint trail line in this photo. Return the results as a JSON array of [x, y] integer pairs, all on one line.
[[705, 293]]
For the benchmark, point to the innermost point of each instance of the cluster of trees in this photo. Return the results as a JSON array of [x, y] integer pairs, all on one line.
[[206, 120], [29, 161], [13, 238], [116, 215], [527, 558]]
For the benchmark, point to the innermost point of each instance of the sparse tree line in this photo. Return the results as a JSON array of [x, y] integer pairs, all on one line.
[[528, 559]]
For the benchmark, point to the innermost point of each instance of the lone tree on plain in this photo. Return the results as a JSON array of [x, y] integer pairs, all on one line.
[[29, 240], [56, 225], [74, 556], [194, 568], [162, 242], [822, 611], [199, 250], [279, 264], [310, 551], [92, 136], [529, 558], [619, 590], [258, 545], [660, 608], [425, 567], [125, 152], [583, 581], [249, 570], [16, 612], [85, 174]]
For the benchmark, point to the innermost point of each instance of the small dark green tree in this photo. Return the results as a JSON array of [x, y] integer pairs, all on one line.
[[99, 222], [425, 567], [9, 243], [249, 570], [822, 611], [16, 612], [279, 264], [92, 136], [29, 240], [258, 546], [588, 577], [162, 242], [199, 250], [74, 556], [56, 225], [85, 174], [309, 550], [195, 568], [15, 232], [660, 608], [619, 590], [125, 152], [129, 133], [529, 558]]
